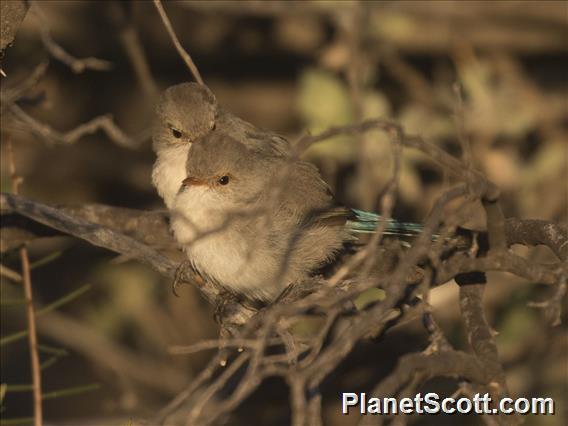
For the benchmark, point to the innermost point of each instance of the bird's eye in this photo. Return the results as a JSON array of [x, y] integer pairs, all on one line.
[[223, 180], [176, 133]]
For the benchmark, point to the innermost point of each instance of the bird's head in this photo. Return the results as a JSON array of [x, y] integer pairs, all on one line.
[[221, 168], [186, 113]]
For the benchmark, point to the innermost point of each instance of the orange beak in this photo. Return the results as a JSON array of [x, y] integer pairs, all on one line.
[[191, 181]]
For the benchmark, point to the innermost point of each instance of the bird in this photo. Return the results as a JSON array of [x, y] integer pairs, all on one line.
[[254, 223], [185, 114]]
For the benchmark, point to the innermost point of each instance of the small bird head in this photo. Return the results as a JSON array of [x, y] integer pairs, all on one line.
[[186, 112], [223, 169]]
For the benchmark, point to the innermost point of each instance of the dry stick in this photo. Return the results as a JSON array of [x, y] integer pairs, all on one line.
[[77, 65], [11, 275], [250, 382], [130, 40], [451, 363], [34, 209], [12, 94], [102, 122], [246, 387], [298, 403], [184, 55], [27, 281]]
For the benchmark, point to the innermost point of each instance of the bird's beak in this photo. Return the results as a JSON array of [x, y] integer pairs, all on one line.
[[191, 181]]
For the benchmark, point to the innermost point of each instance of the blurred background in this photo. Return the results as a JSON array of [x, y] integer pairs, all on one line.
[[291, 67]]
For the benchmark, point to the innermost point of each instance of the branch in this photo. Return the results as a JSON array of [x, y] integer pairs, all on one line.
[[103, 122], [181, 51], [76, 65], [435, 153], [30, 313], [538, 232], [319, 356], [102, 351], [450, 363], [130, 40], [12, 94]]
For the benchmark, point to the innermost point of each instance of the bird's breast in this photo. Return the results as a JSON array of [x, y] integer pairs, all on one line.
[[169, 171], [217, 247]]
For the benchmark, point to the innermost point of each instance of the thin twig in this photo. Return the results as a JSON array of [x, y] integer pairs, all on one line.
[[181, 51], [27, 281], [12, 94], [77, 65], [103, 122], [130, 40], [10, 274]]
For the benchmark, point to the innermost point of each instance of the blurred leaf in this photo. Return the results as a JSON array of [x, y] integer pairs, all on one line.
[[372, 295], [130, 288], [516, 329], [306, 327], [376, 105], [500, 102], [302, 34], [324, 101], [503, 168], [546, 174], [410, 184], [548, 164], [422, 120]]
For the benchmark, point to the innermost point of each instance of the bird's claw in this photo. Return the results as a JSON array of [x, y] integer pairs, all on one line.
[[180, 276], [220, 310]]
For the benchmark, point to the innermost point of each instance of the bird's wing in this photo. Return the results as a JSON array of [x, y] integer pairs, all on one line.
[[331, 217], [258, 140], [311, 202]]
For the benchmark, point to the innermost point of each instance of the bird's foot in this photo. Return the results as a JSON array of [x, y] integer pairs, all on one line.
[[185, 273], [226, 302], [295, 291]]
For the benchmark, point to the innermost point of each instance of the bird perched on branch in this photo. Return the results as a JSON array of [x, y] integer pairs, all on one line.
[[187, 113], [254, 223]]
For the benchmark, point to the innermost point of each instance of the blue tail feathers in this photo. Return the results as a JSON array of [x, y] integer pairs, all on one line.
[[366, 223]]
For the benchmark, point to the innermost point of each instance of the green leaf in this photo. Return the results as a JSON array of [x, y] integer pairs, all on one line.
[[52, 306], [369, 296]]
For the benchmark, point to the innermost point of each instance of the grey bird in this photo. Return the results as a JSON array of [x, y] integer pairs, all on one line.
[[255, 223], [188, 112]]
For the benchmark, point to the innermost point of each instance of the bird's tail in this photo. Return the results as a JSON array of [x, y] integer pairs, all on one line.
[[366, 223]]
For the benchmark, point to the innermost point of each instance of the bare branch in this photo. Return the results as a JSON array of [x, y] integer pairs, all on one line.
[[30, 313], [181, 51], [103, 122], [12, 94], [131, 43], [76, 65], [454, 364]]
